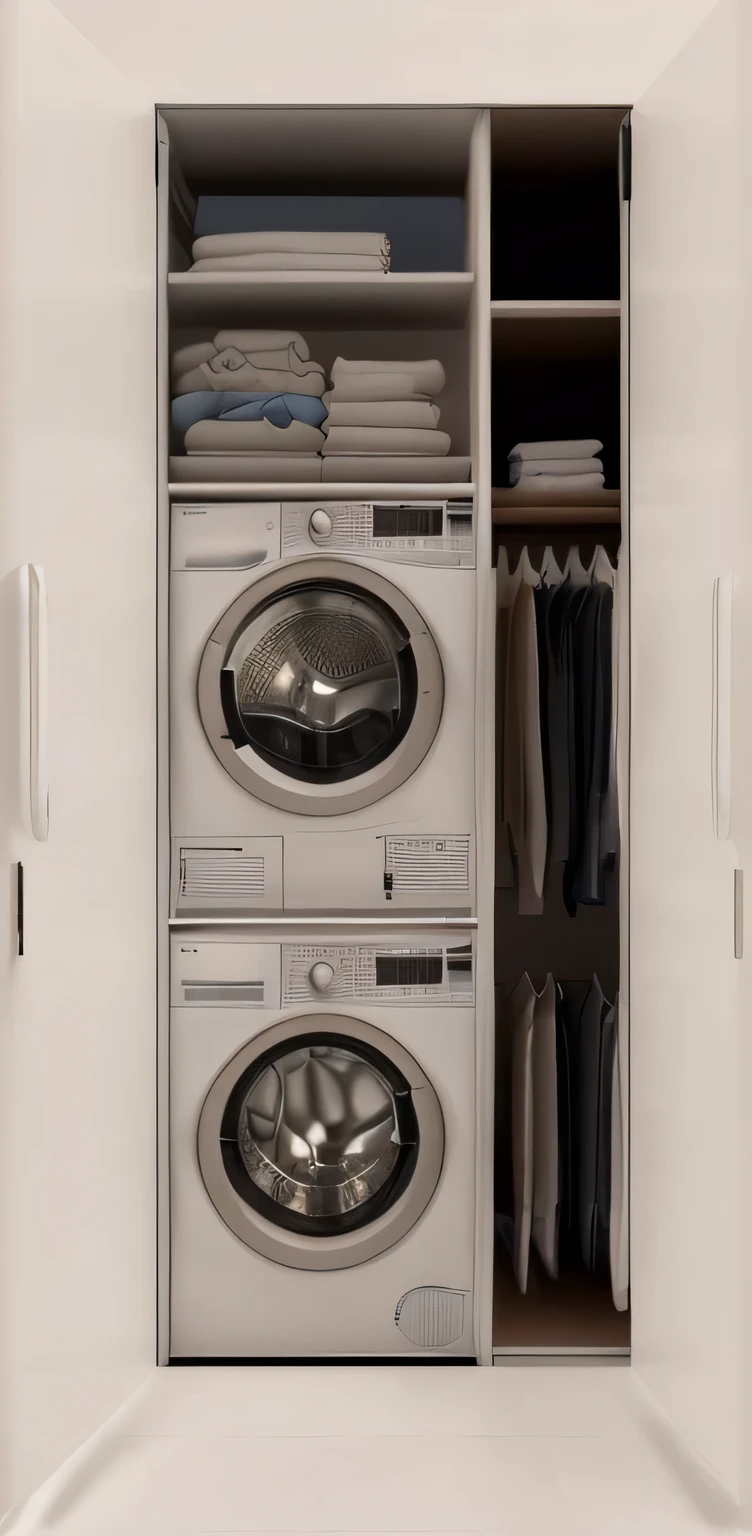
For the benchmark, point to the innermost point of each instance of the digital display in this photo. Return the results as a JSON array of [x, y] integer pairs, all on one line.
[[409, 970], [423, 522]]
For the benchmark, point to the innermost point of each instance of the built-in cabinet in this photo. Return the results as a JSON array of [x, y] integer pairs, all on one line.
[[81, 1014]]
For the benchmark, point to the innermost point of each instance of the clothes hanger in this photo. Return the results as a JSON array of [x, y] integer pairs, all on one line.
[[525, 571], [602, 568], [551, 575], [574, 569]]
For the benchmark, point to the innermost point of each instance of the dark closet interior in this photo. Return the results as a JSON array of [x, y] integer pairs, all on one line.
[[556, 376]]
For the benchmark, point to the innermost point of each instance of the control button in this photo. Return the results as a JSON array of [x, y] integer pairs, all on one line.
[[321, 523], [320, 975]]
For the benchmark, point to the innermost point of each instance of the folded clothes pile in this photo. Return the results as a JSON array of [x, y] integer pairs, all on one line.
[[253, 396], [382, 416], [291, 251], [567, 465]]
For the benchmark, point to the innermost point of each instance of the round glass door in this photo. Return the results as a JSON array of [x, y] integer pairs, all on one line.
[[321, 688], [313, 1148], [321, 683]]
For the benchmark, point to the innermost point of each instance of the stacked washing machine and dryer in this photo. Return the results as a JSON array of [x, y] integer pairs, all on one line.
[[322, 1056]]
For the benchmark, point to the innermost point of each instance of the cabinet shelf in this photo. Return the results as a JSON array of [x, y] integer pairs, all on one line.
[[555, 309], [321, 298], [192, 490], [513, 508]]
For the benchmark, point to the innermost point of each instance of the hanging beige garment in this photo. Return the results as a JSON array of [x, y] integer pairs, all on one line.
[[524, 786]]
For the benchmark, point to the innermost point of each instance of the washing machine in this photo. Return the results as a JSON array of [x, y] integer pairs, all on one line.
[[322, 659], [322, 1165]]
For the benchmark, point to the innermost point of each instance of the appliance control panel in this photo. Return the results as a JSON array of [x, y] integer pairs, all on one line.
[[413, 532], [440, 971]]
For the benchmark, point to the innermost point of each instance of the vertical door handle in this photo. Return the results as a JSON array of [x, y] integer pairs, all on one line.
[[34, 661], [721, 706]]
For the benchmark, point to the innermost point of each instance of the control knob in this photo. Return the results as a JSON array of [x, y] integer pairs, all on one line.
[[320, 523], [320, 975]]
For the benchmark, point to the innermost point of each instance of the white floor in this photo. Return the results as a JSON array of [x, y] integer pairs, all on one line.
[[351, 1449]]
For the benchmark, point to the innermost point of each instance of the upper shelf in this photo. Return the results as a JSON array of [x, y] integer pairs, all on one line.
[[555, 309], [321, 298]]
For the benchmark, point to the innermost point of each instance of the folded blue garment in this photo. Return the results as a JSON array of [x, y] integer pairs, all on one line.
[[229, 405]]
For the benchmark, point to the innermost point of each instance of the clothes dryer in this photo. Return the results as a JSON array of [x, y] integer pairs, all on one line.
[[322, 707], [322, 1141]]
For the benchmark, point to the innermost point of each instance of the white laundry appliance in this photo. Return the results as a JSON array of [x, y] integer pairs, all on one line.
[[322, 658], [322, 1145]]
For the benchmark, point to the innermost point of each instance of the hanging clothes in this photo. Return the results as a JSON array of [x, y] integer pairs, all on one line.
[[567, 1114], [523, 793], [557, 797]]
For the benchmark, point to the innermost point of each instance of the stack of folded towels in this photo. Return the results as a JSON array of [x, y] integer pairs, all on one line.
[[567, 465], [291, 251], [382, 422], [253, 397]]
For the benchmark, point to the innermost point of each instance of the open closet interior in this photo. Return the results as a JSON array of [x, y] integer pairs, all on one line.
[[343, 307], [384, 273], [561, 1162]]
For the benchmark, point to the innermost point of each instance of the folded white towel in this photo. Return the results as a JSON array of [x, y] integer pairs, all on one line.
[[290, 261], [387, 467], [380, 413], [392, 440], [565, 448], [252, 437], [250, 242], [529, 469], [280, 371], [427, 374], [362, 387], [253, 380], [569, 483], [258, 341]]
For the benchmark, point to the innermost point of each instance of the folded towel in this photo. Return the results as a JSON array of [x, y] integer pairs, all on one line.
[[276, 362], [392, 440], [252, 437], [385, 468], [232, 405], [255, 467], [250, 381], [427, 374], [541, 483], [529, 469], [260, 341], [348, 243], [380, 413], [184, 359], [362, 387], [567, 448], [290, 261]]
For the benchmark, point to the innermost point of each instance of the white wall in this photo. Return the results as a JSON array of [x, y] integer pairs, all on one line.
[[77, 495], [475, 51], [76, 480]]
